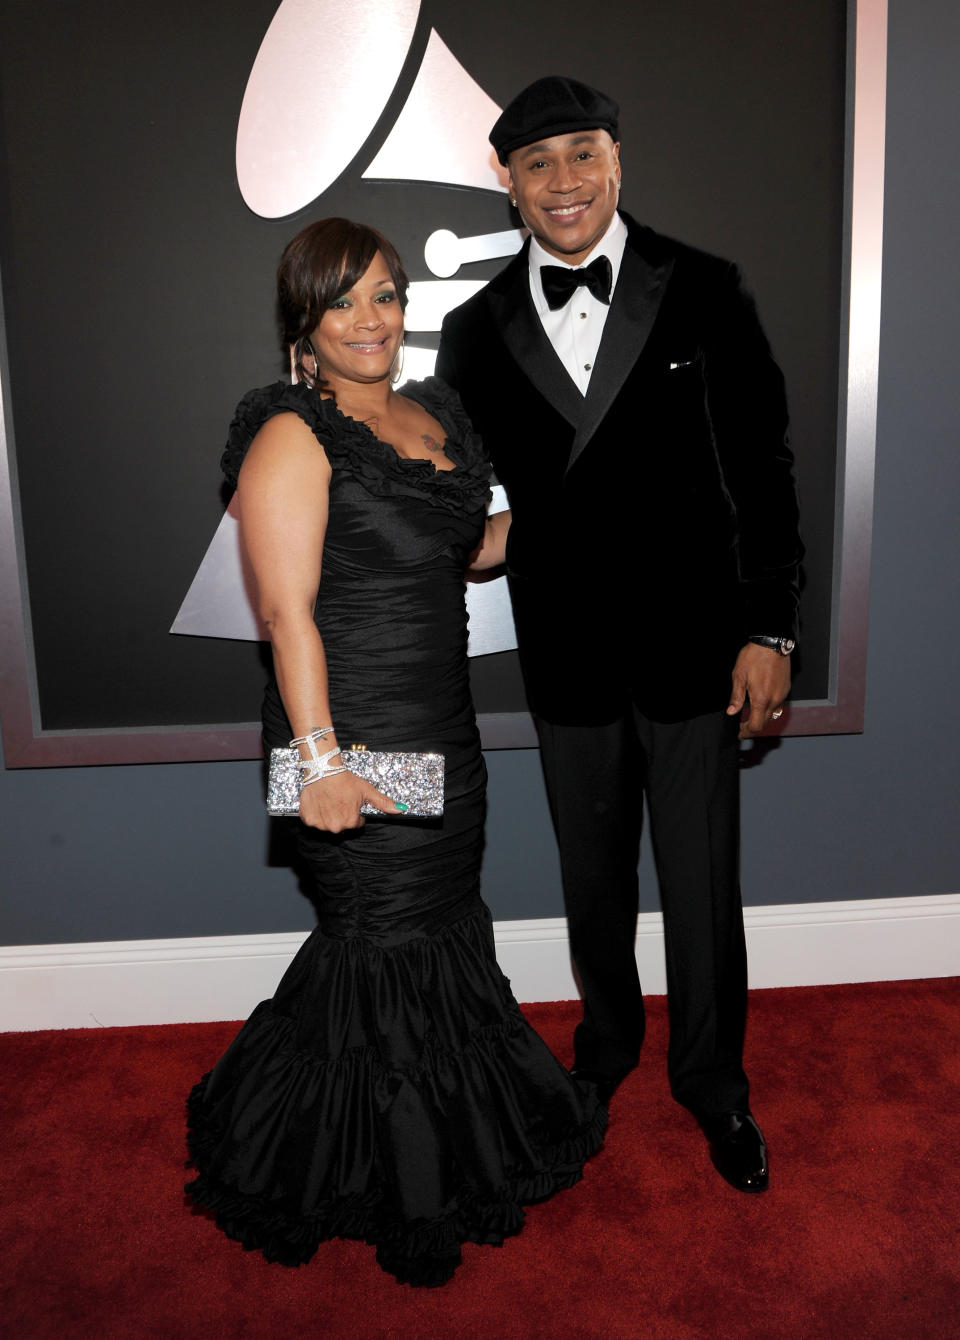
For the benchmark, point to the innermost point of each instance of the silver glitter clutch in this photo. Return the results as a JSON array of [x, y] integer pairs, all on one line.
[[415, 779]]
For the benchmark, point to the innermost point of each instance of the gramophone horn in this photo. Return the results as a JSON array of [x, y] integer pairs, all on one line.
[[441, 134]]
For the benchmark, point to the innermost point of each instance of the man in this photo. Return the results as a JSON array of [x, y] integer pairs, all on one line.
[[633, 411]]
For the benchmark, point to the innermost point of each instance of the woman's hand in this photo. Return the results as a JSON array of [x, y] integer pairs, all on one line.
[[333, 803]]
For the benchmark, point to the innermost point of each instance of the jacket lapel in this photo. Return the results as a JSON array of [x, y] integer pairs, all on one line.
[[633, 310], [516, 318]]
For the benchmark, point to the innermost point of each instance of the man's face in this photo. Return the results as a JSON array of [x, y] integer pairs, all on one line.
[[566, 188]]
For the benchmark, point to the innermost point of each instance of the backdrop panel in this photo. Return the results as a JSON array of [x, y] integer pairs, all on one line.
[[138, 297]]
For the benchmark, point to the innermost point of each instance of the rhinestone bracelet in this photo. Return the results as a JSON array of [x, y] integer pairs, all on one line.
[[317, 766]]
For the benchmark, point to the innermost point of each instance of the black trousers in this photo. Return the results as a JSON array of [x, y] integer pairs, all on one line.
[[596, 778]]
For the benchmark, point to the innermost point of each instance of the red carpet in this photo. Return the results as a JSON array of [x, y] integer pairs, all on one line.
[[857, 1088]]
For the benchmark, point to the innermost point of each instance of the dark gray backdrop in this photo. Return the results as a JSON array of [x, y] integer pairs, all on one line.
[[130, 852], [139, 288]]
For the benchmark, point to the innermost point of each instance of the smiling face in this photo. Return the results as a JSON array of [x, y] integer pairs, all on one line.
[[360, 332], [566, 188]]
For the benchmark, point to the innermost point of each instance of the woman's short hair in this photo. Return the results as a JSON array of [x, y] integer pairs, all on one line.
[[322, 262]]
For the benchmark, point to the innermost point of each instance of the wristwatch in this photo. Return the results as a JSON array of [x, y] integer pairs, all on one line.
[[782, 645]]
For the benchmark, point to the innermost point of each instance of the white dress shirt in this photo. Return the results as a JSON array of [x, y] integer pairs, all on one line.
[[575, 330]]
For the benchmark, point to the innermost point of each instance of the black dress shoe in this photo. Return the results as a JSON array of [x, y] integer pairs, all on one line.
[[605, 1085], [738, 1150]]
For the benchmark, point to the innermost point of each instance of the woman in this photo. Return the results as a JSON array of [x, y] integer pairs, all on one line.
[[391, 1089]]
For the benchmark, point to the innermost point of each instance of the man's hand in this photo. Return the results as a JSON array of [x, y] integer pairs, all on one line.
[[762, 676]]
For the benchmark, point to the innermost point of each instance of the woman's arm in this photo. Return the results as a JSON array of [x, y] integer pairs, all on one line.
[[283, 495], [492, 549]]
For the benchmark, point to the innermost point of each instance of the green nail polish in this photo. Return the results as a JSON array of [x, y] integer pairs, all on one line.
[[399, 805]]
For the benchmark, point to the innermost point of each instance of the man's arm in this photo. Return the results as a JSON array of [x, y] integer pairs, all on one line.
[[748, 410], [446, 362]]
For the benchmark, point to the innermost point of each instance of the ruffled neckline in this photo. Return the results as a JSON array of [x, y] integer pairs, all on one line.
[[353, 446]]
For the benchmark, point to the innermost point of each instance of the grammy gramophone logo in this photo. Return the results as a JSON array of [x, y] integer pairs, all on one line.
[[320, 84]]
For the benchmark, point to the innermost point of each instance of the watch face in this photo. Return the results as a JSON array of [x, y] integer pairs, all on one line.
[[787, 645]]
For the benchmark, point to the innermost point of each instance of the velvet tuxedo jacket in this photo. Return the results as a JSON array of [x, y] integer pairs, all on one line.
[[654, 519]]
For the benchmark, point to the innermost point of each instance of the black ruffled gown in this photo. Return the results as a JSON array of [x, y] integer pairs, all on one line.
[[391, 1089]]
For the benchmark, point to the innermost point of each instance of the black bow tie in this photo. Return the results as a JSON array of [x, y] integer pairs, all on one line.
[[560, 284]]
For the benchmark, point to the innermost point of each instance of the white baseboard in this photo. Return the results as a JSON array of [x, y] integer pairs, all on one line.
[[191, 980]]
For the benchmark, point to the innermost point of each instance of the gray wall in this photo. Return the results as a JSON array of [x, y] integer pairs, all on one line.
[[179, 849]]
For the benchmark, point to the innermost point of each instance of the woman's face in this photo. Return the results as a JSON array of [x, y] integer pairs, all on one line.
[[359, 335]]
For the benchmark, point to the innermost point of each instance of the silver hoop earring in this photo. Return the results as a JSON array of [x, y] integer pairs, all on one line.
[[316, 364], [303, 347], [395, 376]]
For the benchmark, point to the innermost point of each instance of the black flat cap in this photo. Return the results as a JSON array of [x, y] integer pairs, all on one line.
[[552, 106]]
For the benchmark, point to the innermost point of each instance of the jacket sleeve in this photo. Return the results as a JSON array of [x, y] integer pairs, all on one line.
[[747, 404], [446, 367]]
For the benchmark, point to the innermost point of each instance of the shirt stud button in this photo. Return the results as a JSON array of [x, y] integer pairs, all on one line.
[[587, 367], [583, 316]]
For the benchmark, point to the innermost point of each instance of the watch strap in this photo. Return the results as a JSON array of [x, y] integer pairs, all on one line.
[[781, 644]]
